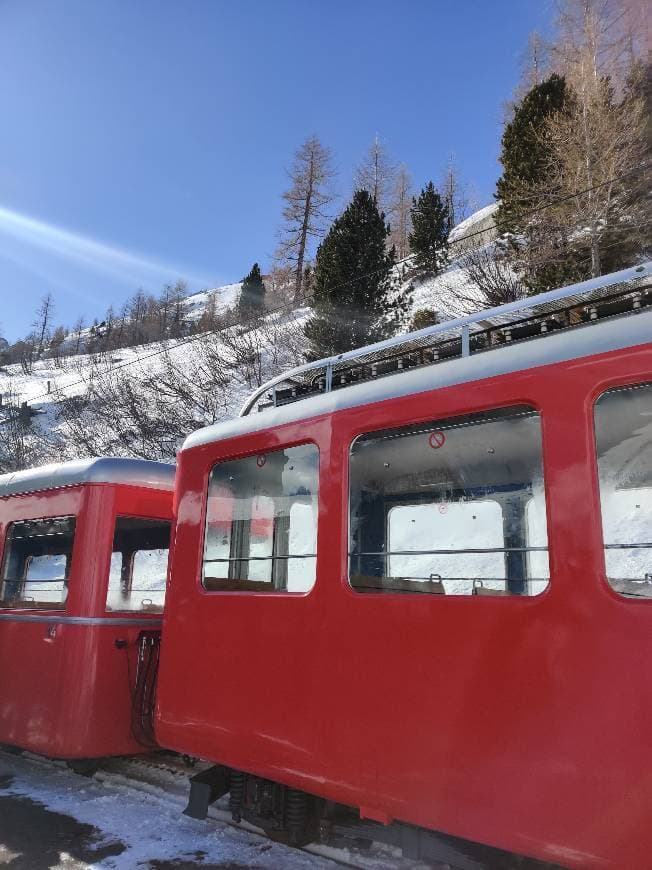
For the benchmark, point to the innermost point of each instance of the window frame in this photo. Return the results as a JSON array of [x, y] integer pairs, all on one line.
[[602, 389], [404, 421], [24, 604], [131, 611], [235, 457]]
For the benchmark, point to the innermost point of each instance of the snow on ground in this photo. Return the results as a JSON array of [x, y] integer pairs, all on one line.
[[51, 380], [129, 815], [451, 294], [225, 297], [145, 823]]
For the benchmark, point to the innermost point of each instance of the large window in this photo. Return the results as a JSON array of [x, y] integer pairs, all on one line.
[[452, 507], [261, 522], [623, 430], [138, 564], [36, 565]]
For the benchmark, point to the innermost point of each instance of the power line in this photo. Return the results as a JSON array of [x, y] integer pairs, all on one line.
[[180, 343], [292, 306], [565, 198]]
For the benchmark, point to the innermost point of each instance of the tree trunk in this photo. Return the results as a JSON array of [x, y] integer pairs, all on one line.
[[303, 237]]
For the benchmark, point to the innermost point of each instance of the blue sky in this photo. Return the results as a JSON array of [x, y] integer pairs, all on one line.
[[146, 141]]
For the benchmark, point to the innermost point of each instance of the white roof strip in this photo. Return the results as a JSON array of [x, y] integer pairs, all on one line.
[[463, 328], [108, 469], [600, 337]]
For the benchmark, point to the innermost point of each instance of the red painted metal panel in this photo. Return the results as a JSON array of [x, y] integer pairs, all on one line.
[[523, 723], [65, 686]]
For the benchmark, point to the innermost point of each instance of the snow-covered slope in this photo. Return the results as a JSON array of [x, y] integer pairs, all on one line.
[[225, 297], [249, 357]]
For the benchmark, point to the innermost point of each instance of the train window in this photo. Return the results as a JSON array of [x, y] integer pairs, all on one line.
[[623, 431], [455, 506], [37, 563], [138, 564], [261, 522]]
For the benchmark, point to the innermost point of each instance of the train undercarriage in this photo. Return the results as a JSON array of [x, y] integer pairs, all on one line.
[[297, 819]]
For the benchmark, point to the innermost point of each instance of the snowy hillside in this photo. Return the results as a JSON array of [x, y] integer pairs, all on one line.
[[225, 297], [144, 400]]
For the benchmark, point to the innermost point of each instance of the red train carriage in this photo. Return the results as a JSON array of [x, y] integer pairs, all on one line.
[[428, 596], [84, 564]]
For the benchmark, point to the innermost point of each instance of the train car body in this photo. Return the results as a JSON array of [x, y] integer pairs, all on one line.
[[428, 597], [84, 558]]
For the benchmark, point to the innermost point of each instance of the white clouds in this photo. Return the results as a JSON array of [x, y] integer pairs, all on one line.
[[86, 253]]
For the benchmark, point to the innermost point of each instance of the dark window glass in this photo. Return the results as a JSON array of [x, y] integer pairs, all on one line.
[[37, 561], [455, 506], [139, 564], [623, 431], [261, 522]]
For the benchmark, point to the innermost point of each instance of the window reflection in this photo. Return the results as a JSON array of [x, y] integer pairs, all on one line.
[[261, 522], [455, 506]]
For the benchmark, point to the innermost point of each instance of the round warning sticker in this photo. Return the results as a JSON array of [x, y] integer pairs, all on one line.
[[437, 439]]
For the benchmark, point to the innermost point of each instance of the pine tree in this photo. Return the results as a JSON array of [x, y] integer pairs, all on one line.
[[539, 253], [429, 236], [252, 295], [354, 302], [525, 152]]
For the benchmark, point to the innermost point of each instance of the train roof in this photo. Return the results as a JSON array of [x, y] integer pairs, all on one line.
[[107, 469], [480, 346]]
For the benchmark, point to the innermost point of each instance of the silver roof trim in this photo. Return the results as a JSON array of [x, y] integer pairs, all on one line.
[[593, 338], [523, 306], [53, 619], [107, 469]]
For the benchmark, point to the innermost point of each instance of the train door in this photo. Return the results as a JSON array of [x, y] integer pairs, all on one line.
[[251, 603], [36, 573]]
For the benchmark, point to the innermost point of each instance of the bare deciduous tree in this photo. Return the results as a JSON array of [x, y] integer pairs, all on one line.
[[399, 214], [597, 146], [586, 210], [304, 215], [489, 270], [20, 446], [454, 194], [149, 411], [42, 323], [376, 174], [593, 42]]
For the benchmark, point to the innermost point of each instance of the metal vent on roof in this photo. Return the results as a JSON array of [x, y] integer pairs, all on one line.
[[620, 294]]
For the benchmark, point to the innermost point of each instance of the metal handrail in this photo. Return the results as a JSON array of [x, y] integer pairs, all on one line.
[[463, 324]]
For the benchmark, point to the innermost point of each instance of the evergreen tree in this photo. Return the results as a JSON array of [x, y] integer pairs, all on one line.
[[354, 302], [525, 150], [252, 295], [429, 236], [539, 253]]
